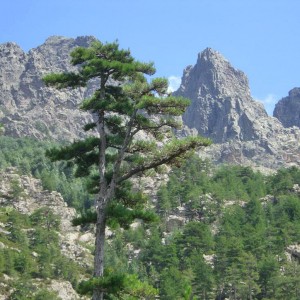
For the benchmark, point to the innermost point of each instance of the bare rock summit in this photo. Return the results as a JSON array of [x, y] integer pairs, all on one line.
[[223, 109], [287, 110], [27, 106]]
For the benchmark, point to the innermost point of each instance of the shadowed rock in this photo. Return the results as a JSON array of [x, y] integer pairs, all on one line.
[[222, 109], [287, 110], [27, 106]]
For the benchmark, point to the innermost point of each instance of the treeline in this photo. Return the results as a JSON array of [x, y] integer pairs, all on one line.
[[28, 156]]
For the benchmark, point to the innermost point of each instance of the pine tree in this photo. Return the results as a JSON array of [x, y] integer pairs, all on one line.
[[124, 105]]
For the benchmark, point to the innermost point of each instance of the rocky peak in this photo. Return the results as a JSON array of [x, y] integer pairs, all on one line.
[[295, 92], [221, 104], [12, 59], [214, 75], [54, 54], [287, 110], [221, 107], [10, 49], [27, 106]]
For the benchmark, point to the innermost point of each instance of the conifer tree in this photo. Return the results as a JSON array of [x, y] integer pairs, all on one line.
[[124, 105]]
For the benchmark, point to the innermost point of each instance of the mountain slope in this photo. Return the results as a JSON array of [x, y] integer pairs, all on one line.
[[222, 109], [27, 107], [42, 250]]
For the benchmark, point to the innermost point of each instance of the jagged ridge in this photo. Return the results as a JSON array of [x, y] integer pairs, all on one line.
[[27, 107], [222, 109], [287, 110]]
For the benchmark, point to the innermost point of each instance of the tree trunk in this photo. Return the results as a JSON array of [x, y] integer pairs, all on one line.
[[99, 250], [250, 292]]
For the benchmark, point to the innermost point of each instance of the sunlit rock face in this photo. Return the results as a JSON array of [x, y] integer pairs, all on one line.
[[287, 110], [223, 109], [221, 105], [27, 106]]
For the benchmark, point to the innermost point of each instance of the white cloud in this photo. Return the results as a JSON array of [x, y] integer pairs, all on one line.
[[174, 83], [269, 102], [269, 99]]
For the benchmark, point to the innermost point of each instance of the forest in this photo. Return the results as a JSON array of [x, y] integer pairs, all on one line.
[[236, 225]]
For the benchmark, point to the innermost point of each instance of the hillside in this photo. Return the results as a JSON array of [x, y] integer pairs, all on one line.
[[222, 107], [221, 231], [219, 228], [41, 254]]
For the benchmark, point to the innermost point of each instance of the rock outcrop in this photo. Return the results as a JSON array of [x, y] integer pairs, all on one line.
[[27, 106], [287, 110], [26, 195], [222, 109]]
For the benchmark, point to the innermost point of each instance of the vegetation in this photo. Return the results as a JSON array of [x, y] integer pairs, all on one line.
[[28, 156], [30, 251], [124, 105], [236, 223], [232, 247], [235, 245]]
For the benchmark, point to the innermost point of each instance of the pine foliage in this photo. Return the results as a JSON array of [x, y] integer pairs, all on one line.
[[125, 107]]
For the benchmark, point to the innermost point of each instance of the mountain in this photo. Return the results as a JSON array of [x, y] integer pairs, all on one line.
[[214, 211], [222, 109], [287, 110], [27, 107]]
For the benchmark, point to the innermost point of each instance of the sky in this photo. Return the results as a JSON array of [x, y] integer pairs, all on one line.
[[259, 37]]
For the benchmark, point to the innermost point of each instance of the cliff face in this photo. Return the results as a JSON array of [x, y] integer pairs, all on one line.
[[287, 110], [221, 105], [222, 109], [27, 107]]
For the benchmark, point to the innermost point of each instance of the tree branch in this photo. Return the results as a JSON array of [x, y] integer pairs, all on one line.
[[160, 161], [128, 138]]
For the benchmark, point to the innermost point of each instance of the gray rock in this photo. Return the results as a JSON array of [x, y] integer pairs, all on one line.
[[31, 197], [287, 110], [27, 106], [223, 110], [222, 107], [293, 251], [64, 290]]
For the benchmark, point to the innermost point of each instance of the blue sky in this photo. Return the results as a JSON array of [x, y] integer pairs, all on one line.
[[259, 37]]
